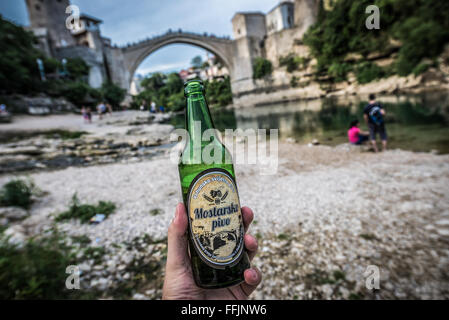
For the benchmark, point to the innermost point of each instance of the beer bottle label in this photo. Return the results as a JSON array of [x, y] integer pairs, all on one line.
[[215, 218]]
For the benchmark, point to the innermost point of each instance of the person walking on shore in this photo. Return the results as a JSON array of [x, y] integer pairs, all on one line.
[[89, 114], [101, 109], [374, 115]]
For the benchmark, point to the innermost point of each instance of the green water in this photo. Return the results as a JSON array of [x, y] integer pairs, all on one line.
[[416, 123]]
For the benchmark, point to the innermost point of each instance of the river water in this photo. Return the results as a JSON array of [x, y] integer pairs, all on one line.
[[413, 122]]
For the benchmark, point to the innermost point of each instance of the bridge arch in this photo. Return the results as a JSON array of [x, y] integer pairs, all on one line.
[[134, 55]]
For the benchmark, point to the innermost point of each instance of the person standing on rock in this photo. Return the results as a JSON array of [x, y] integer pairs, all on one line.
[[374, 115], [89, 114], [101, 109], [153, 107]]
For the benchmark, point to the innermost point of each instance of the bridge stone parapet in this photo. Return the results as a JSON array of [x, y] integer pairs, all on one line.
[[134, 54]]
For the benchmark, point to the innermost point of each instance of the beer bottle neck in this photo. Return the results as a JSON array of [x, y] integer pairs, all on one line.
[[197, 111]]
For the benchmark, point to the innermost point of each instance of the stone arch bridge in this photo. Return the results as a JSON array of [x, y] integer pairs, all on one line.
[[127, 59]]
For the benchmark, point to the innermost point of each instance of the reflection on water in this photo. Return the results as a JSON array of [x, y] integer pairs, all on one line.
[[418, 123]]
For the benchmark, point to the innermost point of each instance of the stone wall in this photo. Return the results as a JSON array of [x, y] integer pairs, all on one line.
[[39, 105], [93, 58], [115, 63], [51, 15]]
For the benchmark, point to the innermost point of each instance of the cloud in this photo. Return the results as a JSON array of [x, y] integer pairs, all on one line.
[[167, 67]]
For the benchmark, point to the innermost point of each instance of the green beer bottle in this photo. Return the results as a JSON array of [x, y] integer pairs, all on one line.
[[211, 198]]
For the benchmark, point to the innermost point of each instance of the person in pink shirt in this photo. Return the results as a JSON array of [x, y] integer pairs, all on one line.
[[355, 135]]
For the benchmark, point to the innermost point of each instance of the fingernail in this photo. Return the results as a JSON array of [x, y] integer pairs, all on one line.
[[253, 274]]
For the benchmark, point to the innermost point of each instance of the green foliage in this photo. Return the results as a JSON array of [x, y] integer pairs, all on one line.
[[339, 70], [112, 93], [289, 62], [205, 65], [18, 67], [17, 193], [37, 269], [155, 212], [197, 62], [77, 68], [176, 101], [168, 91], [174, 83], [292, 62], [76, 92], [154, 82], [368, 71], [421, 26], [84, 212], [19, 72], [420, 39], [219, 92], [294, 82], [52, 65], [262, 68], [421, 68]]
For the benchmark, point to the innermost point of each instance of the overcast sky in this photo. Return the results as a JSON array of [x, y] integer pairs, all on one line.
[[132, 20]]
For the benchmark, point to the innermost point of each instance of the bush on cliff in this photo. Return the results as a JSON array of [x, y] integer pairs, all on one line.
[[262, 68], [218, 92], [368, 71], [421, 27]]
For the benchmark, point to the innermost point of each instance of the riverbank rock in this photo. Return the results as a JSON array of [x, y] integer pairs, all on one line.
[[13, 213], [15, 235], [38, 105]]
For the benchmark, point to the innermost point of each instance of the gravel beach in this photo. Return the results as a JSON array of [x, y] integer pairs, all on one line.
[[321, 220]]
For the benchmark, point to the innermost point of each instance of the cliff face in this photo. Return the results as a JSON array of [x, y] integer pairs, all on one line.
[[341, 58], [294, 74]]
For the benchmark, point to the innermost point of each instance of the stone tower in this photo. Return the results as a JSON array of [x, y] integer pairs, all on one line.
[[306, 12], [49, 16]]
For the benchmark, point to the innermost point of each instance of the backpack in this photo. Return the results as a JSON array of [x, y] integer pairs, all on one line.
[[375, 115]]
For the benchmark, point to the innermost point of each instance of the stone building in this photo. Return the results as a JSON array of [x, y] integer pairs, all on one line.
[[48, 18], [280, 17], [271, 36], [48, 23]]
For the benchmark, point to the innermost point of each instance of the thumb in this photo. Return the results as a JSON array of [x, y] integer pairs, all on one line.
[[177, 256]]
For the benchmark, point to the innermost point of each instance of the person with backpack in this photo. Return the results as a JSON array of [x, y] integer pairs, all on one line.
[[374, 115]]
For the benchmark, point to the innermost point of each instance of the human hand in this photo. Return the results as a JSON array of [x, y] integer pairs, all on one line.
[[179, 283]]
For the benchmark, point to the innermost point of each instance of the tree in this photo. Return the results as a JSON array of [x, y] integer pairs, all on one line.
[[421, 26], [112, 93], [18, 67], [261, 68], [77, 68], [154, 82], [174, 83], [197, 62]]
